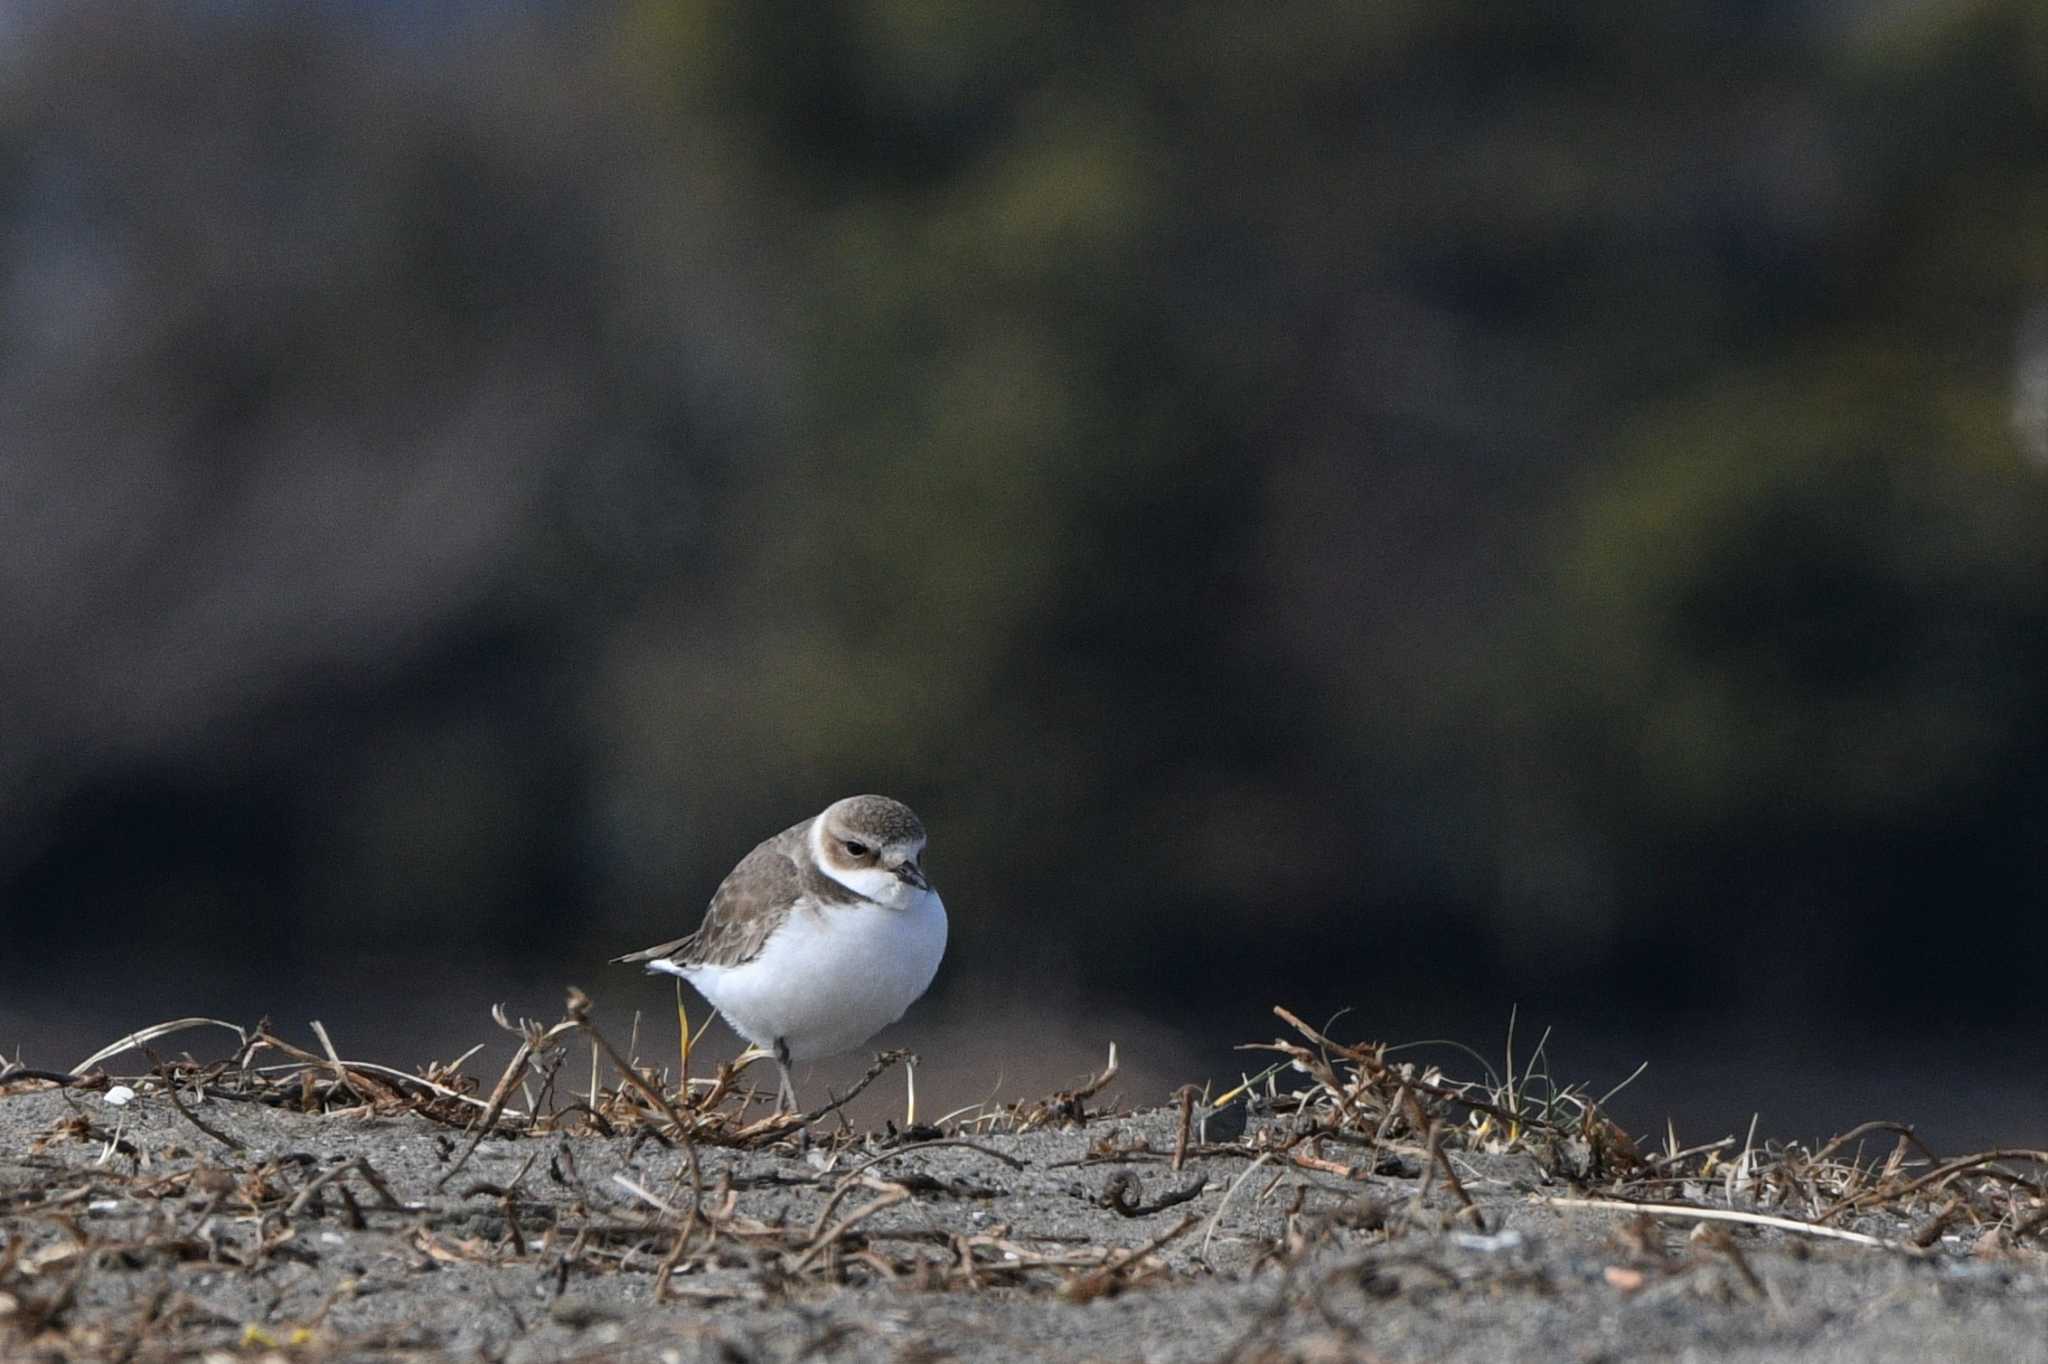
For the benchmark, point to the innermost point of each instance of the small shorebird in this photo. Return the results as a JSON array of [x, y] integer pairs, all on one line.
[[821, 937]]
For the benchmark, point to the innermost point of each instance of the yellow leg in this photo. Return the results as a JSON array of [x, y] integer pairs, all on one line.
[[683, 1044]]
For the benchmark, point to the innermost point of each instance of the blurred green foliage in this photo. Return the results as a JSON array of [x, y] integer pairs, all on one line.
[[1282, 488], [1361, 459], [1823, 591]]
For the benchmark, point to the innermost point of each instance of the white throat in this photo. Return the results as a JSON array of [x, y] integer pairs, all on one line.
[[883, 887]]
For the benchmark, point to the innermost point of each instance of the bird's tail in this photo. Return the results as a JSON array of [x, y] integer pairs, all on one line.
[[649, 954]]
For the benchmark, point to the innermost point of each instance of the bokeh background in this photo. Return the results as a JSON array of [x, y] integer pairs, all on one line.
[[1426, 507]]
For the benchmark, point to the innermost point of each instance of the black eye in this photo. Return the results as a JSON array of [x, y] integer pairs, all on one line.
[[854, 849]]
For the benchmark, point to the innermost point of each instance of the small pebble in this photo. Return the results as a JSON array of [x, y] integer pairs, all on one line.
[[118, 1095], [1509, 1239]]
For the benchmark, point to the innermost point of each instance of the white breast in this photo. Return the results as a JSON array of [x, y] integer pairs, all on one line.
[[830, 978]]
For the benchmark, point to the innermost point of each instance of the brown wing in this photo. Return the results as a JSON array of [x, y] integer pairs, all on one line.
[[747, 906]]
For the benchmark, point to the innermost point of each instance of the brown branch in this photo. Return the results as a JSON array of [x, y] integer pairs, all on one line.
[[579, 1015], [1949, 1170], [171, 1091], [497, 1104], [988, 1151], [1094, 1284], [891, 1195]]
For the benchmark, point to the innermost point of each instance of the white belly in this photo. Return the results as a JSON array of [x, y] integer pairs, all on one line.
[[830, 979]]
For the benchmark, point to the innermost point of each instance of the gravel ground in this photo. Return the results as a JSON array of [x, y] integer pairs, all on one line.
[[130, 1232]]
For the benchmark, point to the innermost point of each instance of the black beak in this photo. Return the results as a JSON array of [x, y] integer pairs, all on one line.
[[910, 871]]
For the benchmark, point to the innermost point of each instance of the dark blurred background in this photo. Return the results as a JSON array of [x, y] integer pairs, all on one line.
[[1427, 507]]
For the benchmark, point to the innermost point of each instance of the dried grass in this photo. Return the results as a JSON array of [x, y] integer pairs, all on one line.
[[1357, 1097], [1398, 1130]]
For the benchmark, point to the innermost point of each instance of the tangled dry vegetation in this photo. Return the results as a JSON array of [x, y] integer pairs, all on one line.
[[1413, 1156], [1998, 1198]]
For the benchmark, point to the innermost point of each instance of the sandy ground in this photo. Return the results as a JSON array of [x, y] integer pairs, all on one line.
[[132, 1233]]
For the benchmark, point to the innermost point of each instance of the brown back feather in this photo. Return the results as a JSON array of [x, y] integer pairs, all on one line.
[[752, 902]]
